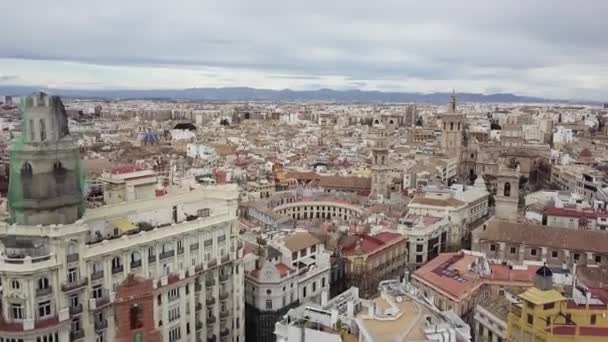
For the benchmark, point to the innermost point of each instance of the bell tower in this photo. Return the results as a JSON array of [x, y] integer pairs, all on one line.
[[46, 175], [380, 164], [507, 193], [452, 131]]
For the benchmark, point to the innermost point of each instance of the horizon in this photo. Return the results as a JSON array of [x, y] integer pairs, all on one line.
[[475, 46]]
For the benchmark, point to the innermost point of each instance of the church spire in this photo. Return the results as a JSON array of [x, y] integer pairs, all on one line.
[[453, 101]]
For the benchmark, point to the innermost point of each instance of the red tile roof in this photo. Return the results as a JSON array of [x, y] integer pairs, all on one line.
[[368, 244], [564, 212]]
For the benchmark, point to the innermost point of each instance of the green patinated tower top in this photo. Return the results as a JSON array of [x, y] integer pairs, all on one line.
[[46, 175]]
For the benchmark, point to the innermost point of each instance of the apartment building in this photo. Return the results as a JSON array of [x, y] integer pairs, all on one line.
[[427, 236], [68, 274], [281, 275]]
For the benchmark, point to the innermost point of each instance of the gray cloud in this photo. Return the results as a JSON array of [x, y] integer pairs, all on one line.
[[496, 44]]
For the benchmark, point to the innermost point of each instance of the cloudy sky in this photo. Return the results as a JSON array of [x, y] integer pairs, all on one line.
[[550, 48]]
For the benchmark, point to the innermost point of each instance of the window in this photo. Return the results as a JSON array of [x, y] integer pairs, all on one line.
[[576, 256], [530, 319], [593, 319], [203, 212], [75, 325], [323, 282], [269, 291], [554, 254], [72, 275], [507, 189], [313, 249], [598, 259], [548, 321], [42, 130], [174, 314], [304, 292], [493, 247], [97, 291], [513, 250], [314, 286], [136, 316], [294, 256], [15, 284], [269, 305], [16, 311], [303, 253], [419, 248], [418, 258], [44, 309], [174, 293], [548, 306], [533, 251], [74, 301], [175, 334], [43, 283]]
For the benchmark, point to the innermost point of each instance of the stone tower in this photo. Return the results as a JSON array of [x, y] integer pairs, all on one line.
[[507, 193], [380, 164], [46, 175], [452, 131]]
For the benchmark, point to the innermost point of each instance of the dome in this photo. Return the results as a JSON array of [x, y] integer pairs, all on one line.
[[544, 271]]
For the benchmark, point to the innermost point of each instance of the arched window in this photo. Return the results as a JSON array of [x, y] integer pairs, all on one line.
[[451, 126], [135, 256], [116, 262], [43, 283], [507, 189], [26, 169]]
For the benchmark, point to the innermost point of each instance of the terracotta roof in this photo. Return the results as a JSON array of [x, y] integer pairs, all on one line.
[[350, 182], [300, 240], [536, 235], [564, 212], [368, 244]]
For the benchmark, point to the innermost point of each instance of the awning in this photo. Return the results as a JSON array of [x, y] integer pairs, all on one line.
[[123, 224]]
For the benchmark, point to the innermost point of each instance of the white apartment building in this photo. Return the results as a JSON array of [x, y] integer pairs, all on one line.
[[427, 236], [463, 206], [62, 270], [275, 281]]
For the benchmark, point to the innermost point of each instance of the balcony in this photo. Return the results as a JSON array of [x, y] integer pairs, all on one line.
[[224, 314], [180, 251], [198, 287], [167, 254], [135, 264], [224, 277], [210, 282], [210, 301], [212, 262], [225, 332], [101, 300], [76, 335], [151, 259], [43, 323], [211, 319], [67, 286], [225, 258], [194, 246], [44, 292], [96, 275], [199, 325], [72, 257], [198, 307], [116, 270], [224, 295], [75, 310], [101, 324]]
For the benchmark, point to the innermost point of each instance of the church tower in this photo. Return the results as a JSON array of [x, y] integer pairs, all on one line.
[[380, 164], [452, 131], [507, 193], [46, 175]]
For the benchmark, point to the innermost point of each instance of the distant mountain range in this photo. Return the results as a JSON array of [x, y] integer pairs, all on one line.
[[286, 95]]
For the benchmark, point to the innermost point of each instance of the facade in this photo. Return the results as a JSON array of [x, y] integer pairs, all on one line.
[[64, 274], [427, 236], [507, 193], [519, 242], [128, 183], [276, 282], [369, 259], [463, 207], [491, 318]]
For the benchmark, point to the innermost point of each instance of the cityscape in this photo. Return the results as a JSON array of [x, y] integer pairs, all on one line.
[[308, 198]]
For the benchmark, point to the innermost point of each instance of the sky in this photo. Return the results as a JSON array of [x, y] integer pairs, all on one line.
[[550, 48]]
